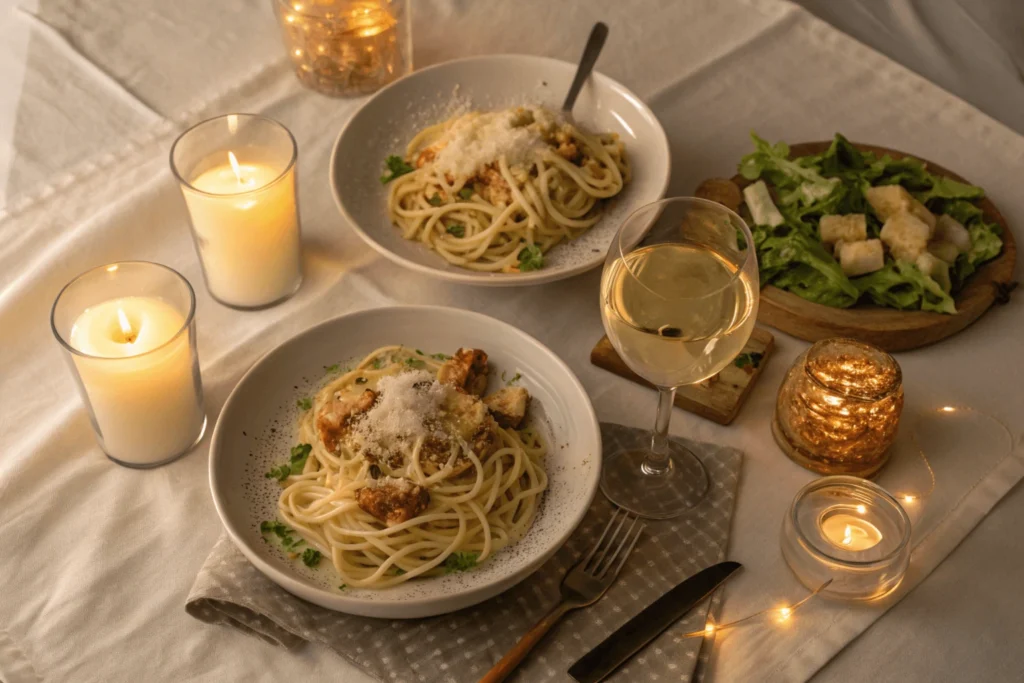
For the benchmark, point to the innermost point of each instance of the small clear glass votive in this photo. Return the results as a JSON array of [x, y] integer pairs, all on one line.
[[346, 48], [849, 530], [237, 174], [128, 330], [838, 408]]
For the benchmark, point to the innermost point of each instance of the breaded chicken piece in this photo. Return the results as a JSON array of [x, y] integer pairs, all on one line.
[[508, 406], [467, 370], [463, 419], [393, 500], [335, 420]]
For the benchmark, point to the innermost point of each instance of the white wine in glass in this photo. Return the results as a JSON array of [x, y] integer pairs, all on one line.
[[678, 300]]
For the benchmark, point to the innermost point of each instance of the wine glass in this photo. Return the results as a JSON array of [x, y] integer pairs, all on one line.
[[678, 301]]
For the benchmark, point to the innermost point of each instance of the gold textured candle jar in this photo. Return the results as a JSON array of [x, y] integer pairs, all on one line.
[[839, 407], [347, 47]]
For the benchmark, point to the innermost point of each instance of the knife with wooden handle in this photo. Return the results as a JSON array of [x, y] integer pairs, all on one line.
[[636, 633]]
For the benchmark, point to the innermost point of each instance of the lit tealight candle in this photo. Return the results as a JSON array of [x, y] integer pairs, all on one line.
[[137, 370], [850, 532]]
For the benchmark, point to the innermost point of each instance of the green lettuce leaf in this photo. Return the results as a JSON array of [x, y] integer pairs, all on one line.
[[901, 285], [800, 264], [772, 163]]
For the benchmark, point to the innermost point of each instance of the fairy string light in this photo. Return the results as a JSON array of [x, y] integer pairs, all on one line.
[[781, 614]]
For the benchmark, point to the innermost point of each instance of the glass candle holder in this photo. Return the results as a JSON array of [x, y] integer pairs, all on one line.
[[347, 48], [128, 330], [237, 174], [851, 531], [838, 408]]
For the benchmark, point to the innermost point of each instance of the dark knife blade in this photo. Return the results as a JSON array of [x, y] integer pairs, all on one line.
[[650, 623]]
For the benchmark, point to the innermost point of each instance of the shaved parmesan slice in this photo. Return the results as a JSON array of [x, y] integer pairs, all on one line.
[[762, 208]]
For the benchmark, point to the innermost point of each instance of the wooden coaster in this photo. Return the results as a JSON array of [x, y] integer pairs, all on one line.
[[719, 398]]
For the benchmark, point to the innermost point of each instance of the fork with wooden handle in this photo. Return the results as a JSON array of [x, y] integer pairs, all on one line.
[[583, 585]]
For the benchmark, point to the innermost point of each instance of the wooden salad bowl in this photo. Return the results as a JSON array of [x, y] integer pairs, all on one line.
[[887, 328]]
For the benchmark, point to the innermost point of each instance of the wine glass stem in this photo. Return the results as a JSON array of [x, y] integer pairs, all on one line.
[[657, 461]]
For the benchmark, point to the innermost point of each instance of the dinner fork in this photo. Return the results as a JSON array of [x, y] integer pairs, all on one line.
[[583, 585]]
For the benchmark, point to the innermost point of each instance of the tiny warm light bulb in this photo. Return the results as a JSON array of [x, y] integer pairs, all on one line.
[[861, 509], [909, 499], [948, 409], [290, 18], [111, 269], [785, 613], [709, 629], [298, 7], [298, 52]]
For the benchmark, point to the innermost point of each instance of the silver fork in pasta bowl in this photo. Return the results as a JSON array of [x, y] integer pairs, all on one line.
[[585, 583]]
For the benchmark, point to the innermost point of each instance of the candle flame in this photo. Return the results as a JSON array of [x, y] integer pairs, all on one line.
[[847, 535], [236, 168], [126, 326]]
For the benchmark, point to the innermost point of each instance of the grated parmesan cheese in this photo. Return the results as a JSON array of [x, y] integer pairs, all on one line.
[[402, 410], [477, 139]]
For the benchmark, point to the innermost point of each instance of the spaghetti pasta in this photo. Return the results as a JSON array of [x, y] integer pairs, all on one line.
[[494, 191], [408, 475]]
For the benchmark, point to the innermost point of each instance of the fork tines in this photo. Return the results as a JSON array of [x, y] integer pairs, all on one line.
[[598, 566]]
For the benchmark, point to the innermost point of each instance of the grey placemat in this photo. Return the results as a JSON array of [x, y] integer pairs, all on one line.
[[463, 645]]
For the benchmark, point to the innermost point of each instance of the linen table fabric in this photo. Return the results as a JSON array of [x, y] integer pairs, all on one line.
[[465, 644], [97, 560]]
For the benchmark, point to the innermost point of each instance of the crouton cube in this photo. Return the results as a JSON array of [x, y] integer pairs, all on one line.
[[906, 236], [850, 228], [889, 200], [858, 258]]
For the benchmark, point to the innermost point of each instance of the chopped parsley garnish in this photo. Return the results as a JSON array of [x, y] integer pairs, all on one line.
[[460, 562], [283, 532], [361, 380], [419, 352], [396, 167], [515, 378], [311, 557], [378, 363], [440, 356], [305, 403], [752, 359], [457, 229], [399, 571], [435, 200], [466, 193], [332, 368], [294, 466], [530, 258], [343, 586], [414, 363]]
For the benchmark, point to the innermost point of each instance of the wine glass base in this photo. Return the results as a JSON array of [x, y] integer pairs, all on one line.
[[628, 484]]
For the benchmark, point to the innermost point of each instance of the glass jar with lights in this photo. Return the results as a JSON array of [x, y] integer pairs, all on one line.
[[347, 48]]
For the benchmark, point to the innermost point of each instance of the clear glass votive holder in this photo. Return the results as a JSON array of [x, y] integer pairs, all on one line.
[[128, 332], [237, 174], [346, 48], [849, 530]]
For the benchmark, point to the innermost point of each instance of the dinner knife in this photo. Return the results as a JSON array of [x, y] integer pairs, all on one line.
[[632, 636]]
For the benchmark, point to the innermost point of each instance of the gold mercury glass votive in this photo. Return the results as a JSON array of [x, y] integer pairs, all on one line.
[[347, 47], [839, 407]]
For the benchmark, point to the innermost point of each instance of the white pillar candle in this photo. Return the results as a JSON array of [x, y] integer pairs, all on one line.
[[140, 379], [246, 226]]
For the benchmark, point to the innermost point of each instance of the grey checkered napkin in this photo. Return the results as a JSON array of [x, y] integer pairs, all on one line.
[[462, 646]]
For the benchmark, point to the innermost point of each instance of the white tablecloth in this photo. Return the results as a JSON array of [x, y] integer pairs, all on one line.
[[97, 559]]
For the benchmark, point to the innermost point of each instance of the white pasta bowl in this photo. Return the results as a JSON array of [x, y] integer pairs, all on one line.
[[258, 426], [390, 119]]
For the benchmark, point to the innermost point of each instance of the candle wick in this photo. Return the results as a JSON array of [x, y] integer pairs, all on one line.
[[236, 168], [126, 327]]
